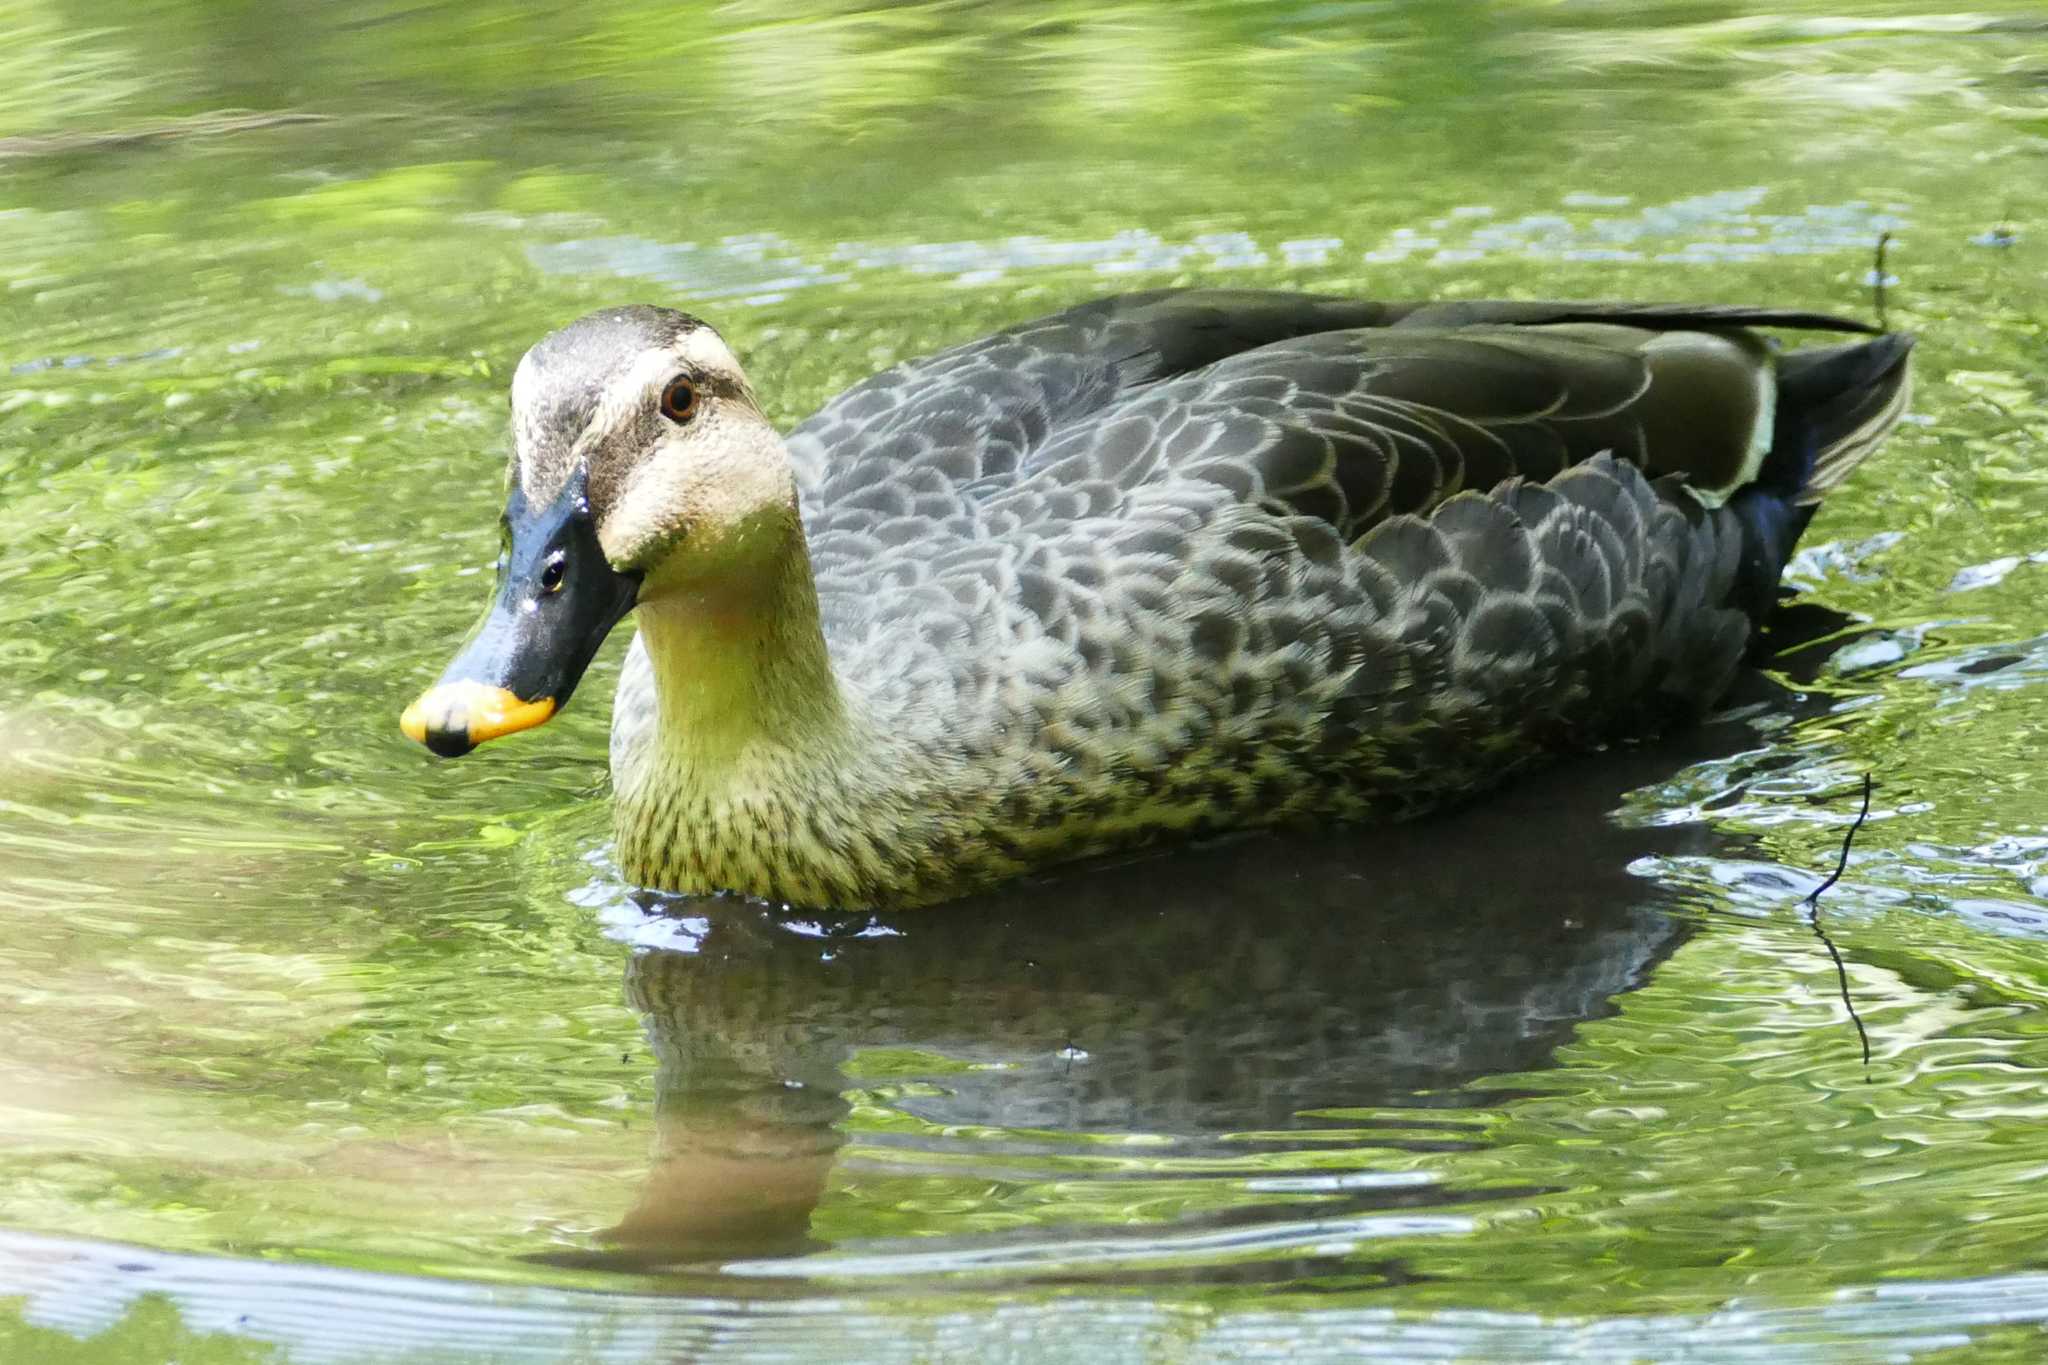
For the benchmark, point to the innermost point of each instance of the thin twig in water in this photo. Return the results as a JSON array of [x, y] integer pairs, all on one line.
[[1884, 240], [1812, 901]]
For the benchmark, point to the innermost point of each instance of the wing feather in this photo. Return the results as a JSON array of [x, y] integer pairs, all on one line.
[[1006, 395]]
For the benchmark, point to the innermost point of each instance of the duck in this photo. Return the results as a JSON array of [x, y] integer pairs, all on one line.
[[1157, 567]]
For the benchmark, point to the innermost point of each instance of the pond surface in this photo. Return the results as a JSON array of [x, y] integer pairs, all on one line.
[[317, 1049]]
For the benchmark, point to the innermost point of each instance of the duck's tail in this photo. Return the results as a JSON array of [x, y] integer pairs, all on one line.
[[1834, 406]]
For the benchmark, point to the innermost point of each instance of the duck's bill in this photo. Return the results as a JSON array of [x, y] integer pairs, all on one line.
[[556, 601]]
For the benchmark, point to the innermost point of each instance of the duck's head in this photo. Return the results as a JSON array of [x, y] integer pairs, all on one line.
[[642, 469]]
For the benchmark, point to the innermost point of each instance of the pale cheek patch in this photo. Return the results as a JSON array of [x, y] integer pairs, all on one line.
[[645, 507], [709, 481]]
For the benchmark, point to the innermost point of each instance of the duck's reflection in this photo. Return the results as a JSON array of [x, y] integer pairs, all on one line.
[[1194, 996]]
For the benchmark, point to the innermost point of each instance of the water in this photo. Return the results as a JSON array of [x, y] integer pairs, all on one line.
[[320, 1050]]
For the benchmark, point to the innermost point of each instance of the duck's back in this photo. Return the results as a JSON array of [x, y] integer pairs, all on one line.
[[1201, 559]]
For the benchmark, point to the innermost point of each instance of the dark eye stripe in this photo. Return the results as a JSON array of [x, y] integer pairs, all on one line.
[[710, 384]]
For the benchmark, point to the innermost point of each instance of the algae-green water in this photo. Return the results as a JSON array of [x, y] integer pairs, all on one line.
[[318, 1049]]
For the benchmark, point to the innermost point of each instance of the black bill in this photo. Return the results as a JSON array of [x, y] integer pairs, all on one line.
[[558, 597]]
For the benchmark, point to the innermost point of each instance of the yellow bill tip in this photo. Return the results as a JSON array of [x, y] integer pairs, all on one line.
[[454, 717]]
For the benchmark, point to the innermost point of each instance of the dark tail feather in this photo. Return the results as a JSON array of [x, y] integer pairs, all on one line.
[[1835, 404]]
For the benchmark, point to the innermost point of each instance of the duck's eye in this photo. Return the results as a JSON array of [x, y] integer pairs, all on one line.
[[679, 401], [551, 575]]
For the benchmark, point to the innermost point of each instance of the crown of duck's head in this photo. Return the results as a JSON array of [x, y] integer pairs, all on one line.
[[642, 469]]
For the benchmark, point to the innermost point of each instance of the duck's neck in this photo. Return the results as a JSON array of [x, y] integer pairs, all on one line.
[[740, 668], [762, 771]]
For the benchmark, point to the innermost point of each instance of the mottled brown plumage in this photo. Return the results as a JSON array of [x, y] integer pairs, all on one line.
[[1182, 562]]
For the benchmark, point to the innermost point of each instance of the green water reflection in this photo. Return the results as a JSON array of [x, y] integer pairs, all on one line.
[[279, 989]]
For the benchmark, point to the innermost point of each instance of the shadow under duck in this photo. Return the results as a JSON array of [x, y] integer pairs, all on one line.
[[1162, 564], [1223, 991]]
